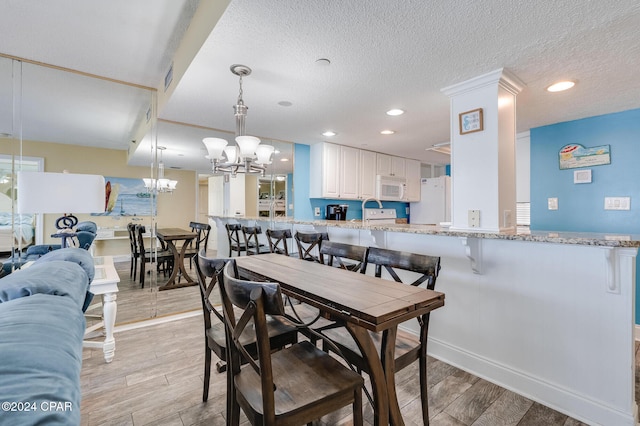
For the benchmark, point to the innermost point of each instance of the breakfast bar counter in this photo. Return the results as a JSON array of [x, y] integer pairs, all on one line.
[[548, 315]]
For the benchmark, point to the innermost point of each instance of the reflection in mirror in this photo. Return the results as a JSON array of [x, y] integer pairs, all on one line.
[[81, 124]]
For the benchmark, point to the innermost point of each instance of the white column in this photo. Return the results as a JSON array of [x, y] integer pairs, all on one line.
[[483, 161]]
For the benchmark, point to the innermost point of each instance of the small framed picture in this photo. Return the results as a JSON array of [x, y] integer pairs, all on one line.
[[471, 121]]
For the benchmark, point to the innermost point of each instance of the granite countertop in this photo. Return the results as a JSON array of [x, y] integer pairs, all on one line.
[[521, 234]]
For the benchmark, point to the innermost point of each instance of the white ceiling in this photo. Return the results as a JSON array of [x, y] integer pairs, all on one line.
[[383, 53]]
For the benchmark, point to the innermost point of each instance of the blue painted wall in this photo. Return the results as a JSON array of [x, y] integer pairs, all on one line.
[[354, 211], [581, 206]]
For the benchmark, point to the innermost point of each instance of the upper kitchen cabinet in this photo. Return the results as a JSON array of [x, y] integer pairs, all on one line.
[[388, 165], [335, 172], [368, 173]]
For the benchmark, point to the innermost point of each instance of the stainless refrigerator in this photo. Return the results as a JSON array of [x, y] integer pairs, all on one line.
[[435, 202]]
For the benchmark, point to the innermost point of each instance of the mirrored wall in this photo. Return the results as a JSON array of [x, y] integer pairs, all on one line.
[[58, 120]]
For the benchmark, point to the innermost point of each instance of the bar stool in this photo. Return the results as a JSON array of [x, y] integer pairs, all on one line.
[[251, 242], [233, 234]]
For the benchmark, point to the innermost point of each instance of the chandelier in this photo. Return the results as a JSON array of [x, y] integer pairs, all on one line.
[[247, 156], [161, 184]]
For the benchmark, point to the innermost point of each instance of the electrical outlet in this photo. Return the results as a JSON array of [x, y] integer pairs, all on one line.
[[474, 218], [316, 212], [552, 203]]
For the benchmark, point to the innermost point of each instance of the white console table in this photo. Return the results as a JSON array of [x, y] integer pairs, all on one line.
[[105, 284]]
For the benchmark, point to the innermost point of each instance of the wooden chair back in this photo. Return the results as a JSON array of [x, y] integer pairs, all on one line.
[[251, 242], [202, 240], [390, 260], [310, 243], [339, 251], [233, 235], [277, 239]]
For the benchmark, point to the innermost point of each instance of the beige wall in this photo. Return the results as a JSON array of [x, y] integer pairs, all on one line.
[[174, 210]]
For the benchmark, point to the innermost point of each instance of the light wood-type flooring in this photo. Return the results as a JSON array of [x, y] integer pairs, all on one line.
[[156, 379]]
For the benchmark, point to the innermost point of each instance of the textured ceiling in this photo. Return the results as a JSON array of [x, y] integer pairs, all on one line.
[[384, 54]]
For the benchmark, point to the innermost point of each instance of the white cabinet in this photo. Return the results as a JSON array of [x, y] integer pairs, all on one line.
[[413, 175], [367, 174], [349, 172], [334, 171], [388, 165]]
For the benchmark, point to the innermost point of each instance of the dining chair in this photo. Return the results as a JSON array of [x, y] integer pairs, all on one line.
[[277, 239], [135, 254], [309, 244], [281, 332], [251, 242], [293, 386], [233, 235], [198, 243], [408, 348], [164, 256], [341, 251]]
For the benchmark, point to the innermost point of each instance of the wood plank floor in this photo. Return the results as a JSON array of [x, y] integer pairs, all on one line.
[[157, 374]]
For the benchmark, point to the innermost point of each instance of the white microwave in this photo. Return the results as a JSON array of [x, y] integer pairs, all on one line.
[[390, 188]]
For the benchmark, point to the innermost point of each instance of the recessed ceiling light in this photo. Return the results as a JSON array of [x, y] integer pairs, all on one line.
[[387, 132], [395, 112], [561, 85], [329, 133], [323, 62], [284, 159], [285, 103]]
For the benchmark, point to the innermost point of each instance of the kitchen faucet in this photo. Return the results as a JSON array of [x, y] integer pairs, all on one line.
[[365, 202]]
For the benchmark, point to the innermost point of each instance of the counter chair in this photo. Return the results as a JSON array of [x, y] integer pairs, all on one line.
[[164, 256], [277, 239], [233, 235], [309, 244], [293, 386], [338, 252], [281, 332], [408, 348], [198, 243], [251, 242]]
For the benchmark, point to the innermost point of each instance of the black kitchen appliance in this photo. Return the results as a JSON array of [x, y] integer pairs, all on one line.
[[337, 211]]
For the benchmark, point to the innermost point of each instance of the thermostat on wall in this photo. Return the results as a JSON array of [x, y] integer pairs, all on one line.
[[582, 176]]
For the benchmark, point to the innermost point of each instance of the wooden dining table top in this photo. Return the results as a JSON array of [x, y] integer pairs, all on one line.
[[373, 303], [175, 234]]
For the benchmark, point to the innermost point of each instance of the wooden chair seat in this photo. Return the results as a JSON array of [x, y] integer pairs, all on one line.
[[293, 386], [307, 381]]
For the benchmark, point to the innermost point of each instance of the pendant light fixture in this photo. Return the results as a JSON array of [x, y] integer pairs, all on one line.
[[161, 184], [247, 155]]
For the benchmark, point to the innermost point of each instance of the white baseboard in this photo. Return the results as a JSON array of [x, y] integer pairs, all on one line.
[[155, 321], [562, 400]]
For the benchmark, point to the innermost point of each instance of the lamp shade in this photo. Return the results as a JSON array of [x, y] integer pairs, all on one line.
[[248, 145], [40, 192], [214, 146], [263, 152], [232, 154]]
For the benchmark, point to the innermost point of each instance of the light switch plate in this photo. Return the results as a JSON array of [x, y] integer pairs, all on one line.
[[552, 203], [474, 218], [617, 203]]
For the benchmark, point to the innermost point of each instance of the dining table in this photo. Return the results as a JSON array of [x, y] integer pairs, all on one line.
[[171, 236], [362, 303]]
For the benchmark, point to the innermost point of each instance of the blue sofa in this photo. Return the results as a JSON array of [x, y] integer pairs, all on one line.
[[41, 331], [85, 233]]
